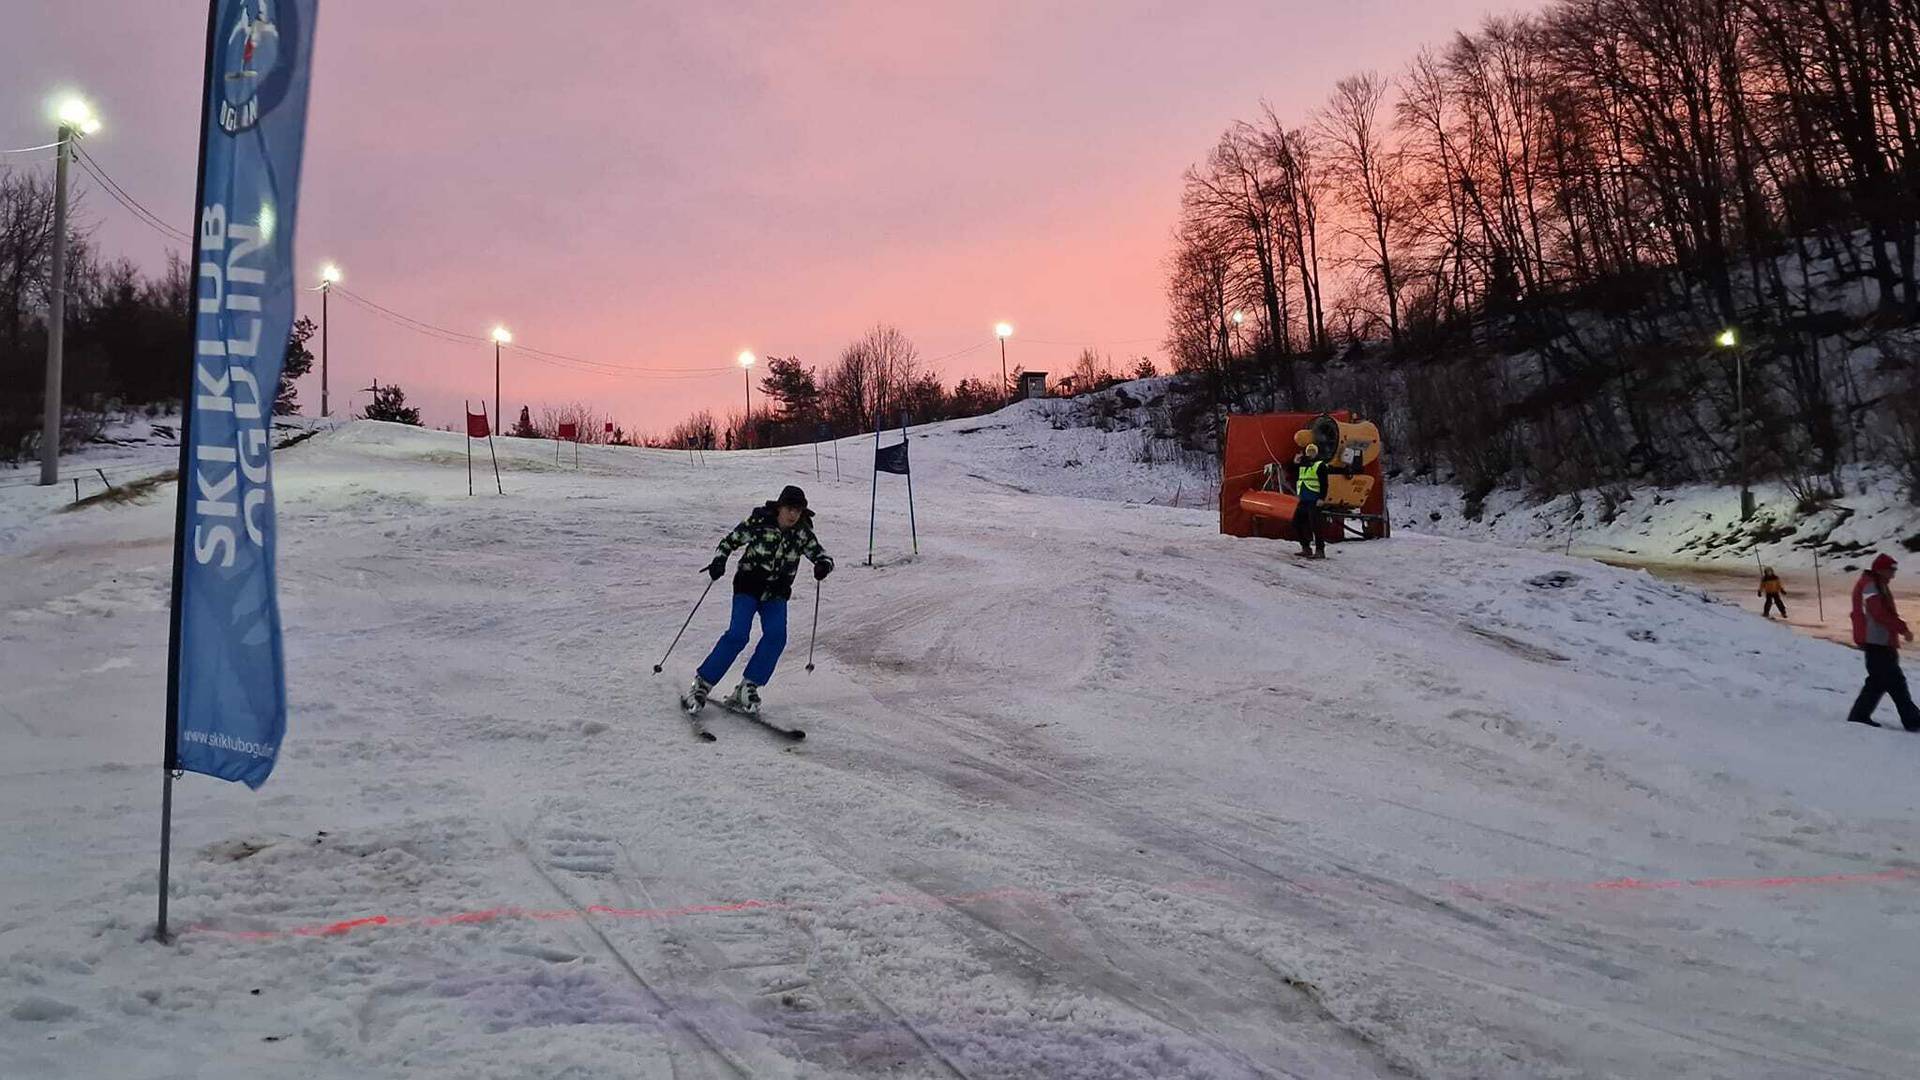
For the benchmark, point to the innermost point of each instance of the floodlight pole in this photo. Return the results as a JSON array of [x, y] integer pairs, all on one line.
[[56, 315]]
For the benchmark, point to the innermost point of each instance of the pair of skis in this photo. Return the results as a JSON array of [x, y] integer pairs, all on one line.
[[791, 734]]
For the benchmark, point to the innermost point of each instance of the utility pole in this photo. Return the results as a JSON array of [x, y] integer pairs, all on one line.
[[500, 337], [1003, 331], [1740, 384], [1730, 340], [75, 119], [746, 373], [329, 276]]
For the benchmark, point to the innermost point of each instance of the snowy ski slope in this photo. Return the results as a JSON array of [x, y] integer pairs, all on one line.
[[1090, 791]]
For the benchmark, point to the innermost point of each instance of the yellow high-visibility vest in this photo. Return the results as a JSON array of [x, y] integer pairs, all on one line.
[[1310, 477]]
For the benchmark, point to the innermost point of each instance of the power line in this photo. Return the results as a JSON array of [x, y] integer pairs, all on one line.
[[31, 149], [132, 205], [409, 321], [621, 368], [1088, 344], [552, 359], [975, 347]]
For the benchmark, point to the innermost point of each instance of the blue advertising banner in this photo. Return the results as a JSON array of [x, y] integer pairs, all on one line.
[[227, 707]]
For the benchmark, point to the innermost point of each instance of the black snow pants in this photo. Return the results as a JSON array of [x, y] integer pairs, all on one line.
[[1306, 525], [1884, 677], [1774, 601]]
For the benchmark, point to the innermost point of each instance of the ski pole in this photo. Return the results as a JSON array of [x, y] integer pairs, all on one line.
[[684, 625], [811, 638]]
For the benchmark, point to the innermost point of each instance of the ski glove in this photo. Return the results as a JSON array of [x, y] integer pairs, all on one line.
[[821, 568], [717, 569]]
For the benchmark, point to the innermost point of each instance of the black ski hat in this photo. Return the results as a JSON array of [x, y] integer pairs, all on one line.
[[792, 496]]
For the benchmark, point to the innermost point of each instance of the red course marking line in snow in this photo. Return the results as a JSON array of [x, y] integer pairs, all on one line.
[[488, 915]]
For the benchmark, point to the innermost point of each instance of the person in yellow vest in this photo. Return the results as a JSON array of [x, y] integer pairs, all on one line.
[[1771, 588], [1309, 487]]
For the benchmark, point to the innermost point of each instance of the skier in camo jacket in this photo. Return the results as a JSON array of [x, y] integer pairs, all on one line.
[[774, 537]]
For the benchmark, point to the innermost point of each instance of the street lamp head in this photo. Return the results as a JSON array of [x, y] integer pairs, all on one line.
[[1239, 316], [501, 336], [1003, 330], [1727, 338], [330, 274], [746, 358], [75, 113]]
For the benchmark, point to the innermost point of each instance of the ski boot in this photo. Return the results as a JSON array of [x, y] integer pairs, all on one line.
[[744, 700], [695, 697]]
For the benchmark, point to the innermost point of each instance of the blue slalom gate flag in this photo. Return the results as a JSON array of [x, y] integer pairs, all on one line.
[[227, 704], [891, 459]]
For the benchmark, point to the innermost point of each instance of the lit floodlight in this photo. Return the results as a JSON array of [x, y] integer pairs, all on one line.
[[501, 336], [75, 113]]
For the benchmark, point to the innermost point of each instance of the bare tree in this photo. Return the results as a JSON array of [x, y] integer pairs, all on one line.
[[1367, 170]]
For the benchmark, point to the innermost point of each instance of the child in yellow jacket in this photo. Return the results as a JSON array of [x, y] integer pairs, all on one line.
[[1771, 588]]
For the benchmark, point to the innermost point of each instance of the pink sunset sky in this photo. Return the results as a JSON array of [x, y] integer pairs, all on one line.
[[666, 184]]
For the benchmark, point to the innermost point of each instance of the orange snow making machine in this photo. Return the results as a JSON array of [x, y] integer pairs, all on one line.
[[1257, 475]]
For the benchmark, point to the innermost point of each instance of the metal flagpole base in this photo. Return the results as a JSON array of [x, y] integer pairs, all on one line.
[[161, 933]]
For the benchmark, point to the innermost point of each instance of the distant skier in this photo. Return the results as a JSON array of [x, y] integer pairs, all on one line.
[[1877, 629], [775, 536], [1771, 588]]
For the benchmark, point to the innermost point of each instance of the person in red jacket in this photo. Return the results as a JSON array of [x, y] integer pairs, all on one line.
[[1878, 629]]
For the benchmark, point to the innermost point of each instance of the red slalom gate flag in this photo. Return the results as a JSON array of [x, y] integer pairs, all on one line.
[[569, 432], [477, 426], [609, 427]]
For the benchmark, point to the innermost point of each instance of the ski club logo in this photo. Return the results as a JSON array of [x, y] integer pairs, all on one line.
[[254, 80]]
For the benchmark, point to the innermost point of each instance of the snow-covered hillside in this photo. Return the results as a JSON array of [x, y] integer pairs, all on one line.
[[1091, 791], [1695, 523]]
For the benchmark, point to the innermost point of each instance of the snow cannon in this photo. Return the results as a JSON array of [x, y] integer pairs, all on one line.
[[1256, 490]]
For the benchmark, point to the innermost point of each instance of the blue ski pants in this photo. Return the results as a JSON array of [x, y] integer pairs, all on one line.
[[773, 640]]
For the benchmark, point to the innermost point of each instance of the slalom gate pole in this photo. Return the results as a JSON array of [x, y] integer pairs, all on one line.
[[684, 625], [496, 457], [911, 525], [1816, 587], [873, 509], [467, 408], [815, 636]]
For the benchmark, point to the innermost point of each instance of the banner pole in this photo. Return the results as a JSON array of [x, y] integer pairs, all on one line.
[[873, 508], [466, 411], [169, 758], [907, 454]]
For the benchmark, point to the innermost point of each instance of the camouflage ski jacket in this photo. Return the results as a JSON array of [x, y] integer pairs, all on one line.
[[771, 554]]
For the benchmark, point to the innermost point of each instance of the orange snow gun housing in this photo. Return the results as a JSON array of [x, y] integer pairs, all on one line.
[[1256, 487]]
